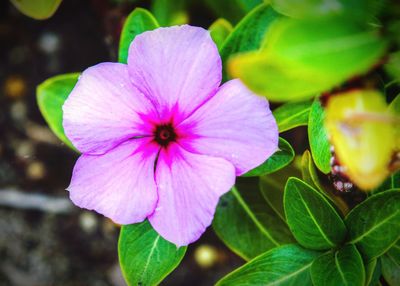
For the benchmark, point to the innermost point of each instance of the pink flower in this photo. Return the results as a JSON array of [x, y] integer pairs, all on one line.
[[160, 139]]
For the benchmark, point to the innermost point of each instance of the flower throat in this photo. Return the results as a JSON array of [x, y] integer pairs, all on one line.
[[164, 134]]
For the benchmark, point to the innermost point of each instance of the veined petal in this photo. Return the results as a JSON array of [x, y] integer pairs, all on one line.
[[105, 109], [189, 187], [235, 124], [178, 68], [119, 184]]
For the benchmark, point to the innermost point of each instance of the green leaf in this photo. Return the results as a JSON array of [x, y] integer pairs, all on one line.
[[145, 257], [391, 265], [322, 45], [292, 114], [321, 8], [393, 182], [233, 10], [394, 109], [374, 225], [313, 221], [277, 161], [306, 8], [372, 272], [38, 9], [273, 185], [317, 135], [310, 176], [393, 66], [307, 54], [219, 31], [394, 106], [51, 95], [248, 33], [340, 267], [139, 20], [285, 265], [170, 12], [247, 224]]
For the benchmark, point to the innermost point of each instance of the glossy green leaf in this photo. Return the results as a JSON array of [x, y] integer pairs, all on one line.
[[233, 10], [139, 20], [313, 221], [307, 55], [292, 114], [246, 223], [310, 176], [372, 272], [391, 265], [273, 185], [285, 265], [278, 160], [37, 9], [219, 31], [170, 12], [145, 257], [341, 267], [248, 33], [318, 138], [374, 225], [51, 95]]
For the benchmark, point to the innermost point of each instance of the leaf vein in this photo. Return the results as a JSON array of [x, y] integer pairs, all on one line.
[[253, 217], [150, 255], [315, 222], [374, 227], [286, 277]]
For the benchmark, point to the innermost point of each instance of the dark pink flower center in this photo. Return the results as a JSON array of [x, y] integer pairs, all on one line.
[[164, 134]]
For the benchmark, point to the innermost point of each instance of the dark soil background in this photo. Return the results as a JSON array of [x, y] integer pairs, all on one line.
[[44, 240]]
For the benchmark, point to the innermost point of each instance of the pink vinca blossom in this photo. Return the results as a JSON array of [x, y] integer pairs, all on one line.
[[160, 139]]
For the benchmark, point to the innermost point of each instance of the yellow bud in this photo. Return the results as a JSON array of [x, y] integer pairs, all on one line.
[[361, 129]]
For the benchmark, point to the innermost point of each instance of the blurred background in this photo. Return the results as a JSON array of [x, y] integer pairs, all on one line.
[[44, 239]]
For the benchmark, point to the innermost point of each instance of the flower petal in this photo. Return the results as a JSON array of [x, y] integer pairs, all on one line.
[[105, 109], [119, 184], [235, 124], [189, 186], [178, 68]]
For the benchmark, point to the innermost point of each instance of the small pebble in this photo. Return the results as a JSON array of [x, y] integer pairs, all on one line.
[[36, 170], [88, 222], [14, 87], [25, 150], [18, 111], [49, 42]]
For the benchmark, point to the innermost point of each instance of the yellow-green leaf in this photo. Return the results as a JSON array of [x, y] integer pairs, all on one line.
[[50, 96], [219, 31], [37, 9]]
